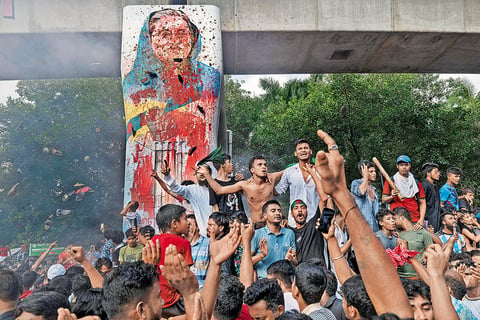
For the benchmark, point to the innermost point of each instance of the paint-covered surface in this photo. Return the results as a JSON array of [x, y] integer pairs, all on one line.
[[171, 71]]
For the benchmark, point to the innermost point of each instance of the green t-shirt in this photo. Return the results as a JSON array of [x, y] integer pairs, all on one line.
[[128, 254], [419, 241]]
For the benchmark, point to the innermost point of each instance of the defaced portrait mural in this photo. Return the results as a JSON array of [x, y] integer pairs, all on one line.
[[172, 75]]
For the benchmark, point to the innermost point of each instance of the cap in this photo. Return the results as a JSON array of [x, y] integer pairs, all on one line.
[[403, 158], [55, 271], [298, 201]]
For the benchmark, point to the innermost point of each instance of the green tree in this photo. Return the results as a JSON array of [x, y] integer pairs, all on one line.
[[56, 134]]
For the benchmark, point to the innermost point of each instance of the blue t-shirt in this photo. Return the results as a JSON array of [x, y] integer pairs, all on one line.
[[278, 246], [201, 259], [449, 196]]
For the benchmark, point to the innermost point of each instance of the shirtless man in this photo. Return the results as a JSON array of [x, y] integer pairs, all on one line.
[[258, 189]]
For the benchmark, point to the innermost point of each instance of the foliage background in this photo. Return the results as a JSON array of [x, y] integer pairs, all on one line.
[[381, 115]]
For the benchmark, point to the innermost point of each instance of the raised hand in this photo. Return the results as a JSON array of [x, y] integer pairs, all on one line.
[[151, 252], [330, 166], [247, 232], [177, 272], [165, 169], [264, 247], [221, 249], [78, 254], [291, 255]]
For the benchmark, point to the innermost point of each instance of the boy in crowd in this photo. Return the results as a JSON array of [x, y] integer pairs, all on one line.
[[386, 224], [172, 221], [132, 252], [418, 240]]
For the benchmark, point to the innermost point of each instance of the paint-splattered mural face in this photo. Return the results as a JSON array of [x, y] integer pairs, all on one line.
[[172, 71], [172, 40]]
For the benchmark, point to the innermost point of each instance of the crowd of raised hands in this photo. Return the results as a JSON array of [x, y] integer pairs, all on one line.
[[381, 282]]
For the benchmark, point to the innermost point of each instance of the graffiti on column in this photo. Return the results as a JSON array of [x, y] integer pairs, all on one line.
[[171, 69]]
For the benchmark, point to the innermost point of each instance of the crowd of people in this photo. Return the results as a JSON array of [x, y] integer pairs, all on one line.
[[336, 253]]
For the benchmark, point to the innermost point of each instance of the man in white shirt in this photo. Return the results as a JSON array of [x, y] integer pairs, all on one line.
[[299, 181], [197, 194]]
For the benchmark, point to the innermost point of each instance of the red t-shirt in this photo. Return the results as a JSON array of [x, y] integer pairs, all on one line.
[[410, 204], [168, 294], [244, 313]]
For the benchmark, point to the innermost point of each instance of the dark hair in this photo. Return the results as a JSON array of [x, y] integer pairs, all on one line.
[[415, 288], [239, 215], [134, 206], [454, 170], [428, 167], [221, 219], [252, 160], [265, 289], [403, 212], [368, 163], [129, 233], [332, 283], [28, 279], [311, 281], [266, 204], [229, 298], [467, 190], [177, 13], [60, 284], [10, 286], [459, 289], [103, 262], [147, 229], [387, 316], [293, 315], [80, 283], [187, 182], [115, 235], [300, 141], [127, 284], [43, 304], [284, 271], [356, 295], [224, 158], [89, 303], [167, 214], [381, 214], [475, 253], [448, 210], [74, 270]]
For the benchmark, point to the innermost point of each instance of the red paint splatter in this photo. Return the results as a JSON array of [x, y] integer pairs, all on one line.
[[143, 94]]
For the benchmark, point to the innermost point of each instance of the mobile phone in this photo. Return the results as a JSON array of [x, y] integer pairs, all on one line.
[[326, 219]]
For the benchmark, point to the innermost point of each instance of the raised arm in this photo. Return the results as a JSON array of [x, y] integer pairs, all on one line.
[[276, 176], [95, 277], [370, 253], [246, 264], [215, 186], [43, 256], [342, 269], [126, 208], [162, 183], [220, 251]]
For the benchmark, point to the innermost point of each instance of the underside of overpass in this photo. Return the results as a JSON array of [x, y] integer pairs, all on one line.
[[65, 38]]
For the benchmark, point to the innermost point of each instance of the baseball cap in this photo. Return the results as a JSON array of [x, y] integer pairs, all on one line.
[[55, 271], [403, 158]]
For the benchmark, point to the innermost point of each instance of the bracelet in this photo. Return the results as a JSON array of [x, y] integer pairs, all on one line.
[[348, 211], [340, 257]]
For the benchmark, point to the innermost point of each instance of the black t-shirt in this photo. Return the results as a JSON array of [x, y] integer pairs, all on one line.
[[432, 198], [227, 203], [309, 241]]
